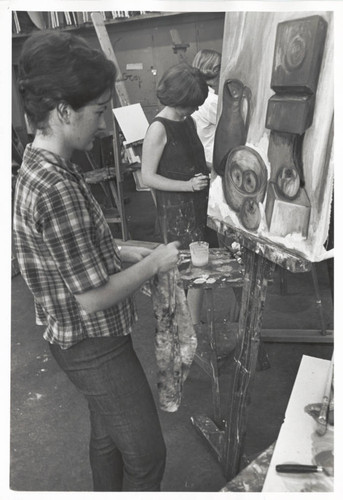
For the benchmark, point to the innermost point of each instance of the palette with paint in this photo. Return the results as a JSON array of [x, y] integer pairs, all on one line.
[[222, 270]]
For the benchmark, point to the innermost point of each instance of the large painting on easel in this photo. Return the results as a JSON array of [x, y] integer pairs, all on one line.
[[272, 173]]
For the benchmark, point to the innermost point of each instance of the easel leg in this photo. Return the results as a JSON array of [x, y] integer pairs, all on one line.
[[318, 298], [262, 358], [283, 281], [213, 359], [258, 270]]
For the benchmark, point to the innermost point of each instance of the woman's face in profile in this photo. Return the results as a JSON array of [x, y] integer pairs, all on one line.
[[88, 122]]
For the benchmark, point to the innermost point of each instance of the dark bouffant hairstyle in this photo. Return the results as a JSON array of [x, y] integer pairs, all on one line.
[[182, 86], [59, 67]]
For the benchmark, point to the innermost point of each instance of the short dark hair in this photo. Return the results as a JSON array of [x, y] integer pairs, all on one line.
[[183, 86], [56, 67]]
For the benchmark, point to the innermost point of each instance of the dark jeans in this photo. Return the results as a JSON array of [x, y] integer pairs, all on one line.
[[127, 449]]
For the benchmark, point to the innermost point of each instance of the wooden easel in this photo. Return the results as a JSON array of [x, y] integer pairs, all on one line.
[[117, 187], [259, 262]]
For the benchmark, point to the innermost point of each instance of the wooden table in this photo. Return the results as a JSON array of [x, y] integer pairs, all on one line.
[[298, 441]]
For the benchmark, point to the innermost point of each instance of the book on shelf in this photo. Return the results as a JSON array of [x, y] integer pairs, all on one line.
[[23, 22], [74, 18], [87, 17], [15, 23], [68, 18]]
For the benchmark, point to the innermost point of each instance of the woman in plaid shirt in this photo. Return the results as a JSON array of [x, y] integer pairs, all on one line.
[[72, 266]]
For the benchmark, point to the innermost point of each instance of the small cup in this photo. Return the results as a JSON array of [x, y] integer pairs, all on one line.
[[199, 253]]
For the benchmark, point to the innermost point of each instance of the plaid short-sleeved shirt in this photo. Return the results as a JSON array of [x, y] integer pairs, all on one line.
[[64, 247]]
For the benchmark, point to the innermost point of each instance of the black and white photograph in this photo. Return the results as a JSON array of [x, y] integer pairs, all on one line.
[[168, 247]]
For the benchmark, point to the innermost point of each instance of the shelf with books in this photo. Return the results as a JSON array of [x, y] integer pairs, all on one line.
[[26, 22]]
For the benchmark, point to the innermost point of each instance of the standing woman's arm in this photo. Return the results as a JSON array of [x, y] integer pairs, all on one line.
[[153, 146]]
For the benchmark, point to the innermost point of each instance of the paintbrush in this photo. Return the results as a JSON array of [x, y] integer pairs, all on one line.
[[331, 408], [303, 469], [322, 419]]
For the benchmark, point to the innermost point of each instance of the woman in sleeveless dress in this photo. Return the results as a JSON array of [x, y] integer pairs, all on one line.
[[174, 164]]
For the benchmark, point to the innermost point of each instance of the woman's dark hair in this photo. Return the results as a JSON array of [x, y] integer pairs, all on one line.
[[182, 86], [59, 67]]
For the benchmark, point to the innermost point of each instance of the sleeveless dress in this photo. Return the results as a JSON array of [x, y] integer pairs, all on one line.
[[182, 215]]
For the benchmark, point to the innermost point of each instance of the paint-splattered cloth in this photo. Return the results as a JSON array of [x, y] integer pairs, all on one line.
[[175, 341]]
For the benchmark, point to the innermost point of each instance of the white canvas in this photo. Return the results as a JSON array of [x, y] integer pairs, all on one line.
[[132, 121]]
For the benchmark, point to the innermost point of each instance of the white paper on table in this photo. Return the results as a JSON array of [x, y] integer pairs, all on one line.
[[296, 440], [132, 121]]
